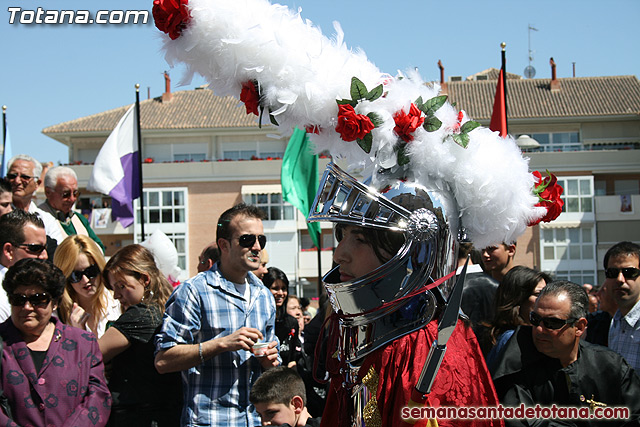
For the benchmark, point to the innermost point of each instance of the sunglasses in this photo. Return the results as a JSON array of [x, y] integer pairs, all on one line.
[[40, 300], [248, 240], [629, 273], [549, 322], [68, 193], [12, 176], [32, 248], [90, 272]]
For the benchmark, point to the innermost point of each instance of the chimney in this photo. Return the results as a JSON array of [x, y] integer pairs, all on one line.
[[443, 84], [166, 96], [555, 83]]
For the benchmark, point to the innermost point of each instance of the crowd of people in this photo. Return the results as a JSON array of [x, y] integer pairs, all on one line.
[[231, 345]]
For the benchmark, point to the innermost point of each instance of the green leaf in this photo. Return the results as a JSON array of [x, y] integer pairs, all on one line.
[[431, 124], [366, 142], [401, 153], [419, 103], [543, 185], [358, 90], [375, 93], [347, 102], [434, 104], [469, 126], [273, 120], [375, 119], [461, 139]]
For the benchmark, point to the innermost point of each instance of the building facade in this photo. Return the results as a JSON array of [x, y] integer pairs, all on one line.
[[203, 154]]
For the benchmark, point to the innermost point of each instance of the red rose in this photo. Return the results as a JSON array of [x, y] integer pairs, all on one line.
[[171, 16], [548, 191], [312, 129], [352, 126], [406, 124], [456, 127], [250, 96]]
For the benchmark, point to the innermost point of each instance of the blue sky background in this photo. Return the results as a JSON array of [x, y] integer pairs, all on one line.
[[54, 73]]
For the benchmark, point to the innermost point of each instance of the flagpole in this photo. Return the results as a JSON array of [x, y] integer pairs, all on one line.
[[503, 45], [140, 160], [4, 137], [319, 288]]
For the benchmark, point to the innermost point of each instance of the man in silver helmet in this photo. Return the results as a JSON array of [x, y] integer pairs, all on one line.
[[395, 262]]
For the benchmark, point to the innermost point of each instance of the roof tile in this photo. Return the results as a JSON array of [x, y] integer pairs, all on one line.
[[526, 98]]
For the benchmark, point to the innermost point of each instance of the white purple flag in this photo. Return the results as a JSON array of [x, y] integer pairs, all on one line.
[[116, 171]]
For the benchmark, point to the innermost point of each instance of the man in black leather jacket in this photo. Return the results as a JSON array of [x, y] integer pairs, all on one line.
[[548, 363]]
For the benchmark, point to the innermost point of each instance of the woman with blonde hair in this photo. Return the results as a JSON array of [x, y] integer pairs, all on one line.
[[85, 303], [141, 396]]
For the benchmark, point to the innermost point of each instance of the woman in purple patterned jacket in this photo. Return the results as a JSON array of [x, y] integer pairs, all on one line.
[[52, 374]]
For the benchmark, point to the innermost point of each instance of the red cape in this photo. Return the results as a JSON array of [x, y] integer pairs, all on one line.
[[463, 380]]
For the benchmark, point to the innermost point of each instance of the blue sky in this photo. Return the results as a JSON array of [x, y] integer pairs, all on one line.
[[55, 73]]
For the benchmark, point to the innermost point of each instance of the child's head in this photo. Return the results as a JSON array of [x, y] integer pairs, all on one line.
[[279, 396]]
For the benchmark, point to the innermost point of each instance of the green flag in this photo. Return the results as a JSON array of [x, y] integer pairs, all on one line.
[[300, 178]]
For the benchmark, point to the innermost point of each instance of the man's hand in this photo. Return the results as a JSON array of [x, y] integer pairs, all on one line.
[[270, 358], [242, 339]]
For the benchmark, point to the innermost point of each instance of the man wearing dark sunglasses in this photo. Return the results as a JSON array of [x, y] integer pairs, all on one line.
[[213, 320], [22, 236], [61, 189], [548, 363], [24, 176], [622, 272]]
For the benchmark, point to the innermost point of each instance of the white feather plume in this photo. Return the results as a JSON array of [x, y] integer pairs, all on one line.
[[301, 73]]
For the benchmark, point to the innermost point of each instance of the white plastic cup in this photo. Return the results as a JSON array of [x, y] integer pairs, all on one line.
[[260, 349]]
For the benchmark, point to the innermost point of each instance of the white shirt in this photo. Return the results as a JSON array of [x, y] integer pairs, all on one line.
[[51, 226], [113, 312], [5, 307]]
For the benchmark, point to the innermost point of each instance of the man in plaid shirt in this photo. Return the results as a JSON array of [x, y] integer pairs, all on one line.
[[212, 322]]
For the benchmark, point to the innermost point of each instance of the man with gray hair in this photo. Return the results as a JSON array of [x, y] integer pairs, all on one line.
[[61, 189], [23, 173], [547, 363]]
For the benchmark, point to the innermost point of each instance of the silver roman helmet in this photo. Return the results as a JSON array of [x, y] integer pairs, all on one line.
[[379, 307]]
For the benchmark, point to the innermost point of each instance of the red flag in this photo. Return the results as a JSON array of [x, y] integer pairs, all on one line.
[[499, 115]]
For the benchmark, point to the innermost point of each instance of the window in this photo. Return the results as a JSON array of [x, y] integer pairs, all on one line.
[[568, 244], [239, 154], [579, 277], [190, 152], [570, 253], [87, 155], [183, 151], [165, 209], [272, 205], [578, 194], [164, 206], [306, 244], [198, 157], [179, 240], [625, 187], [560, 141], [238, 148]]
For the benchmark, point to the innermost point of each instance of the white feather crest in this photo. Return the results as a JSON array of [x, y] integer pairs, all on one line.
[[301, 74]]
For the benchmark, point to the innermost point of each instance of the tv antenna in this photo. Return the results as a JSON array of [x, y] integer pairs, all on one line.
[[529, 71]]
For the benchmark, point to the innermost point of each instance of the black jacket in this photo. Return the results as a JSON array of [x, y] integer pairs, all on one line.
[[524, 375]]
